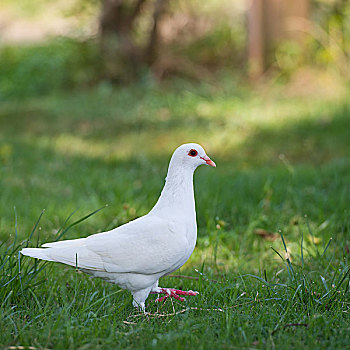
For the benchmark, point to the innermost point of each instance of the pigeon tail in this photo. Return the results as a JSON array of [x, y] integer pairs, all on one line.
[[37, 253], [72, 243]]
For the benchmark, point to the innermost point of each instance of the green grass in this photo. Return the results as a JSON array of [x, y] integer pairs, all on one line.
[[57, 64], [282, 164]]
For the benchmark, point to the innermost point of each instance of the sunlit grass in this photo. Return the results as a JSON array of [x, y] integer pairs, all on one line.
[[282, 166], [112, 125]]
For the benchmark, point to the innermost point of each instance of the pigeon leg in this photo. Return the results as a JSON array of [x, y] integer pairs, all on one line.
[[140, 306], [172, 293], [139, 298]]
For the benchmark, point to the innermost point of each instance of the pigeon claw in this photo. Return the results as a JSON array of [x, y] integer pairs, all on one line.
[[174, 293]]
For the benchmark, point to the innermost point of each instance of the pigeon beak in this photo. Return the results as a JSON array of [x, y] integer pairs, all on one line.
[[209, 161]]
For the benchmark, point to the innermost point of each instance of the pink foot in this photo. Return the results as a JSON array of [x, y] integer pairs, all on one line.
[[173, 293]]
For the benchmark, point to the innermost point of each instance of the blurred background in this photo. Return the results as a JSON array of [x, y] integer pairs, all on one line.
[[95, 95], [54, 45]]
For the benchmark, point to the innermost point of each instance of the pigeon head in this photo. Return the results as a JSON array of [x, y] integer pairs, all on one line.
[[191, 155]]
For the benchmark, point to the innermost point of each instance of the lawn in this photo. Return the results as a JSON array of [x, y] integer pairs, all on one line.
[[282, 176]]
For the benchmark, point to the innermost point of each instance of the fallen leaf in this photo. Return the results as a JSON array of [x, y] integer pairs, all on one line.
[[267, 235]]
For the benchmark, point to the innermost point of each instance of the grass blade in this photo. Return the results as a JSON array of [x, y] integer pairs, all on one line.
[[324, 283], [35, 227], [287, 256], [78, 222], [302, 248], [329, 242]]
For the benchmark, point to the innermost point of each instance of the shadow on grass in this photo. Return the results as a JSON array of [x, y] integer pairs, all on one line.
[[306, 141], [104, 129], [62, 161]]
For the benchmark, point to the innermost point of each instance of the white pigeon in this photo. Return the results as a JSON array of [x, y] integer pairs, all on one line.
[[135, 255]]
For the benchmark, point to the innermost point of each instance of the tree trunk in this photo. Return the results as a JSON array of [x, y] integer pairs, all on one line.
[[256, 39], [124, 59], [268, 24], [152, 47]]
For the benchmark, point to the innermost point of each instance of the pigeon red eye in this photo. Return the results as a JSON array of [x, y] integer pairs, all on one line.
[[192, 153]]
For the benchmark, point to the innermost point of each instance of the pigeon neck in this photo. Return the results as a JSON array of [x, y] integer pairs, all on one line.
[[177, 194]]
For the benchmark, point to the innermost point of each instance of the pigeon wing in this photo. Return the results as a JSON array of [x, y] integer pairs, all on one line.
[[146, 245]]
